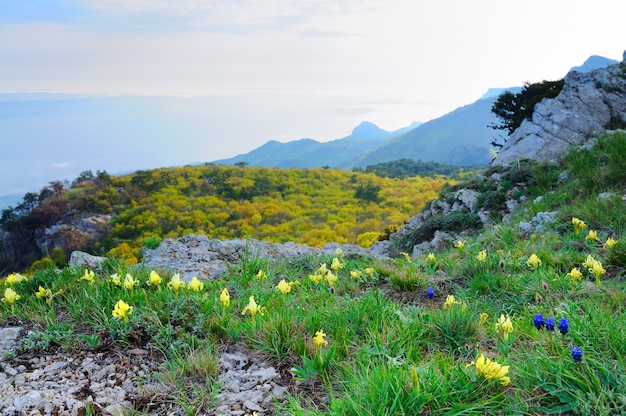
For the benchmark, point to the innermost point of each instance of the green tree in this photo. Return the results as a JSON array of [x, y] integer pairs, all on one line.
[[511, 109]]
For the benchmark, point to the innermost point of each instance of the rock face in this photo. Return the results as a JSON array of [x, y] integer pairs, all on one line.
[[197, 255], [588, 104]]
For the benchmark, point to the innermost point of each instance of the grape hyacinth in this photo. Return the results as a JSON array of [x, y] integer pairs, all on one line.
[[563, 326], [577, 354], [430, 292], [538, 321], [550, 324]]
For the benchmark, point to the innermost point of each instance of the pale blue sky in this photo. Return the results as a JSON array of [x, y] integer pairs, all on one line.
[[248, 71]]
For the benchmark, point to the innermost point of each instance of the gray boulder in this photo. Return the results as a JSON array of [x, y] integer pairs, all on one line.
[[588, 104]]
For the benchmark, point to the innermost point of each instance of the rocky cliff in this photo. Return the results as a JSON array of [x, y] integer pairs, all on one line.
[[588, 104]]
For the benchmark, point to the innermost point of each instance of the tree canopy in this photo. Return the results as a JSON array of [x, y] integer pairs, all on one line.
[[513, 108]]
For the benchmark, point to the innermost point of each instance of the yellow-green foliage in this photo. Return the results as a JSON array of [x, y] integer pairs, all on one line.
[[308, 206]]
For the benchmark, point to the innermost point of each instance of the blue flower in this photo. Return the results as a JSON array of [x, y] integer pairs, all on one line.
[[563, 326], [577, 354], [430, 292], [550, 324], [538, 321]]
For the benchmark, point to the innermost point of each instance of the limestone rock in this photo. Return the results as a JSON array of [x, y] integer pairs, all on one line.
[[82, 259], [588, 104]]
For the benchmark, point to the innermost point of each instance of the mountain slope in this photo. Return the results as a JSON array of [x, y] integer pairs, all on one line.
[[461, 137], [308, 153]]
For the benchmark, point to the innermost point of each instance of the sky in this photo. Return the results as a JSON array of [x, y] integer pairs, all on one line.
[[132, 84]]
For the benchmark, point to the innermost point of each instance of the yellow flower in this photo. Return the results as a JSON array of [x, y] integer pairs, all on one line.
[[43, 293], [579, 225], [154, 279], [115, 279], [451, 301], [589, 261], [356, 274], [225, 297], [253, 308], [195, 284], [483, 317], [592, 236], [319, 340], [122, 310], [575, 274], [316, 277], [610, 243], [14, 278], [261, 275], [369, 271], [431, 259], [331, 278], [339, 252], [533, 261], [482, 255], [130, 282], [406, 256], [460, 244], [598, 270], [88, 276], [10, 296], [491, 370], [284, 287], [176, 283], [323, 269], [336, 264], [504, 326]]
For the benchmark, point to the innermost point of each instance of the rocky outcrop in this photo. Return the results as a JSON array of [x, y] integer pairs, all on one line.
[[197, 255], [588, 104], [73, 233]]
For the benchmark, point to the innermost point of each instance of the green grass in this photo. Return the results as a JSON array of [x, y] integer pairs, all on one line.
[[390, 349]]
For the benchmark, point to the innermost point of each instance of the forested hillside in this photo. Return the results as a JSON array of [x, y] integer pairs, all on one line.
[[309, 206], [304, 206]]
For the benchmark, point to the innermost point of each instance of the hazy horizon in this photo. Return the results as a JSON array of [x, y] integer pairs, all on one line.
[[160, 83]]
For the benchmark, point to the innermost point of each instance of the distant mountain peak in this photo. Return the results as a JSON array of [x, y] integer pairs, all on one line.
[[594, 62], [367, 130]]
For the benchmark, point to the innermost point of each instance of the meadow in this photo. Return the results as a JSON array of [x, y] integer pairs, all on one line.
[[503, 322]]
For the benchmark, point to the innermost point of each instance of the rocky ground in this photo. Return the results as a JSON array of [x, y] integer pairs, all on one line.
[[113, 381]]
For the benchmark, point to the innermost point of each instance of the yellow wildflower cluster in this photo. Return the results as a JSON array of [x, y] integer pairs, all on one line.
[[323, 272], [504, 326], [575, 274], [451, 301], [122, 310], [491, 370], [610, 243], [195, 284], [431, 259], [482, 255], [595, 267], [253, 308], [261, 275], [336, 264], [356, 274], [592, 236], [15, 278], [154, 279], [88, 276], [319, 340], [10, 296], [284, 287], [225, 297], [578, 224], [176, 283], [130, 282], [533, 261]]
